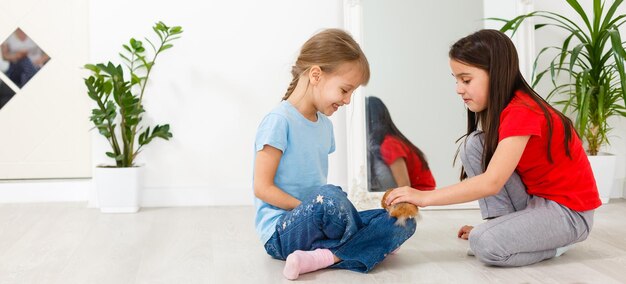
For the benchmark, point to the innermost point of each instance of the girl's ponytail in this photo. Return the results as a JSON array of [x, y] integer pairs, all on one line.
[[294, 82]]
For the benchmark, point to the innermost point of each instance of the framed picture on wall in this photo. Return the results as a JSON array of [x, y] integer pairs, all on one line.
[[24, 57]]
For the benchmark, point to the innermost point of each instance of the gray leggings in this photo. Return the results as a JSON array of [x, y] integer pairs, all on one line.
[[528, 229]]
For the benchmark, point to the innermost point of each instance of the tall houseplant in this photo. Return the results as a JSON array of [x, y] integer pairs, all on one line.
[[119, 98], [592, 56], [118, 93]]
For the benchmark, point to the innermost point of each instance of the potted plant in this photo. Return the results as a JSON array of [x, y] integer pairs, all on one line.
[[119, 96], [592, 57]]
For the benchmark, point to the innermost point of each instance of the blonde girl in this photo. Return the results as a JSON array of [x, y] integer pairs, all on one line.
[[299, 217]]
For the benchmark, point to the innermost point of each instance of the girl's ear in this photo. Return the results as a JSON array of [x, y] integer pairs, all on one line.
[[315, 74]]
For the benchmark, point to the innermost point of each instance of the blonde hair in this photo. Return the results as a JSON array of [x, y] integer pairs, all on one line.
[[328, 49]]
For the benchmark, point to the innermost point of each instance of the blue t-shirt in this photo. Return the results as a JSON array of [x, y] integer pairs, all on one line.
[[304, 164]]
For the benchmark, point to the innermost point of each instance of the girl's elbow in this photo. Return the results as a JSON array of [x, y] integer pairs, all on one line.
[[260, 190], [490, 183], [493, 187], [257, 192], [492, 191], [256, 188]]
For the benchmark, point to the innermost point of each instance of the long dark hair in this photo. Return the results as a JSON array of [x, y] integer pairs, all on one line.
[[379, 125], [494, 52]]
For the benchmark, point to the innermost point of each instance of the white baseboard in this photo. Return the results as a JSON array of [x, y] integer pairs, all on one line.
[[467, 205], [32, 191], [195, 196], [83, 190]]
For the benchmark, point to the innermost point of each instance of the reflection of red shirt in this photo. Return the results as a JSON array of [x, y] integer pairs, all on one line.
[[569, 182], [393, 148]]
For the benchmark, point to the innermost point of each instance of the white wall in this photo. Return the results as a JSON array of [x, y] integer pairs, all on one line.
[[230, 68], [44, 126]]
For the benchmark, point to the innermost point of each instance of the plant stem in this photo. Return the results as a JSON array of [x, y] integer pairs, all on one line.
[[113, 141], [143, 87]]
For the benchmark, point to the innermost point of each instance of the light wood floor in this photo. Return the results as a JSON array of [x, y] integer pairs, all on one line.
[[68, 243]]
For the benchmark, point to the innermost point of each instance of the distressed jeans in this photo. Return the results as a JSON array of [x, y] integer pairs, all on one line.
[[327, 219]]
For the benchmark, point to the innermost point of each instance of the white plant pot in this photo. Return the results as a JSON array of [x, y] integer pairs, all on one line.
[[603, 166], [118, 189]]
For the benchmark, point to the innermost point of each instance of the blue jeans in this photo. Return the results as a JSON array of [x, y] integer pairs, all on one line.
[[327, 219]]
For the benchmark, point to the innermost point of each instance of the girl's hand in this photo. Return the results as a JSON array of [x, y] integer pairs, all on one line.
[[464, 232], [407, 194]]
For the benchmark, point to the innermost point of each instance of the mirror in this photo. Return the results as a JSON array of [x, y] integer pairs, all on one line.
[[24, 57], [407, 45], [393, 159]]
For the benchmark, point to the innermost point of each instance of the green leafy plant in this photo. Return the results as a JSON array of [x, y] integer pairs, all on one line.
[[593, 56], [119, 96]]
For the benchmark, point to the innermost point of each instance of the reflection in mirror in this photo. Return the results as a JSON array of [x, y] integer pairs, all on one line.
[[24, 56], [394, 160], [407, 45], [5, 94]]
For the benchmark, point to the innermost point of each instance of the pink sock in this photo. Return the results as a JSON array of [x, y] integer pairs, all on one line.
[[300, 262]]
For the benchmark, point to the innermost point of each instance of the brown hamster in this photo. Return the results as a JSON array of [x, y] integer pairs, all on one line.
[[402, 211]]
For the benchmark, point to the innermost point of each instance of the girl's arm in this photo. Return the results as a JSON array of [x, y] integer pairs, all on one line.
[[503, 163], [265, 168], [400, 172]]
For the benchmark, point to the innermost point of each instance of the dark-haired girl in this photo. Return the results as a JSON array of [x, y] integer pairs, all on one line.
[[406, 163], [522, 160]]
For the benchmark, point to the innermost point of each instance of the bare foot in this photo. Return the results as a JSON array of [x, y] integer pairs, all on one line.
[[464, 232]]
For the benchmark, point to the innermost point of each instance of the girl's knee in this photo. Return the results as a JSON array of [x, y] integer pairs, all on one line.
[[332, 202], [332, 192], [473, 143], [331, 189], [487, 248]]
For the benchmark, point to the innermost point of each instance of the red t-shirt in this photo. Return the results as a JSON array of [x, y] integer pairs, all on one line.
[[393, 148], [569, 182]]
